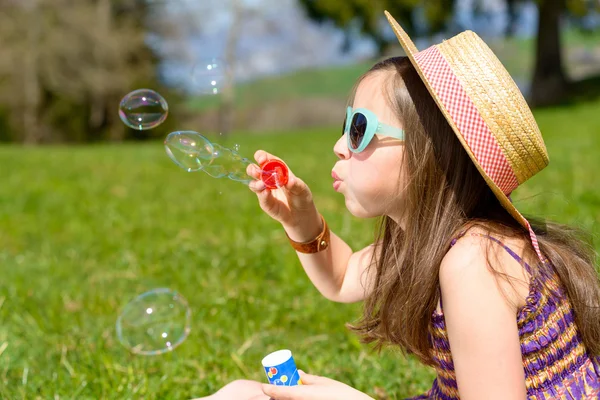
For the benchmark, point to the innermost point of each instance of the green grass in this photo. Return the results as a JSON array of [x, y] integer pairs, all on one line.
[[85, 229]]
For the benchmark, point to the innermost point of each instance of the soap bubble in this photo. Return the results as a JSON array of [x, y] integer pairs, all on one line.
[[193, 152], [227, 163], [217, 168], [208, 76], [154, 323], [188, 149], [143, 109]]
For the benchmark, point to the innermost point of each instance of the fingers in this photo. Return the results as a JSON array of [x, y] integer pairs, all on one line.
[[253, 171], [261, 156], [257, 186], [313, 387], [283, 392], [299, 392], [294, 185]]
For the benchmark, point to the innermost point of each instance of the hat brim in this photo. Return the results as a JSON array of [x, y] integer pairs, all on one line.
[[410, 49]]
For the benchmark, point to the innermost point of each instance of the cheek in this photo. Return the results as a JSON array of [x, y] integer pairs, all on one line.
[[375, 179], [366, 178]]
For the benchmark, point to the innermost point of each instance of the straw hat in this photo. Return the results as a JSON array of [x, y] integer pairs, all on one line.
[[486, 110]]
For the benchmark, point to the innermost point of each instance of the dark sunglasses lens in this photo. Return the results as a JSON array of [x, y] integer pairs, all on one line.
[[344, 126], [358, 128]]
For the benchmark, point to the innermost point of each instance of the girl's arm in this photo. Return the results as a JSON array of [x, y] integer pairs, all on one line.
[[337, 272], [481, 325]]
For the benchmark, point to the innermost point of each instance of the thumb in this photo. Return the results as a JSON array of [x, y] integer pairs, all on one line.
[[296, 186], [308, 379]]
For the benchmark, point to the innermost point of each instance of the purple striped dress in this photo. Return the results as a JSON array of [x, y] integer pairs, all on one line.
[[556, 362]]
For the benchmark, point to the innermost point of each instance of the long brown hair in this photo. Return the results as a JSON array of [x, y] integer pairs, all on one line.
[[445, 192]]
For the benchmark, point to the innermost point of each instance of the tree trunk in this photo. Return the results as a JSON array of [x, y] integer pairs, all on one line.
[[549, 82], [100, 101], [32, 133], [512, 12], [227, 108]]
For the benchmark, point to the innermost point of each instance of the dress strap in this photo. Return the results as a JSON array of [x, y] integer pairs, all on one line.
[[454, 240], [508, 249]]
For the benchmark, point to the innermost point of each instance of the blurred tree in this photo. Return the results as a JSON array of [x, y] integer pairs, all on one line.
[[65, 64], [233, 20], [367, 15], [549, 83]]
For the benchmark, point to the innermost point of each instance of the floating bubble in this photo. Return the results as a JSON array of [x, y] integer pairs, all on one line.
[[143, 109], [154, 323], [208, 76], [190, 150], [236, 147], [193, 152]]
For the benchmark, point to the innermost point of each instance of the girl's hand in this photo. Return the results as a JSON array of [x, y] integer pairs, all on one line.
[[314, 388], [291, 204]]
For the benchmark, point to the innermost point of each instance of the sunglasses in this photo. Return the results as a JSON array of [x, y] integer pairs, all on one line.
[[361, 125]]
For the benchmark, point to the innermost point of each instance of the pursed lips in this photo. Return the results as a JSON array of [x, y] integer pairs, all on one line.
[[336, 180]]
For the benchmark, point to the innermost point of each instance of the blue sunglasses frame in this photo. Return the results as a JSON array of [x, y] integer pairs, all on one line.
[[373, 127]]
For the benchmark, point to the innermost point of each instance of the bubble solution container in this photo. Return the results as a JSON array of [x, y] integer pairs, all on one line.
[[281, 369]]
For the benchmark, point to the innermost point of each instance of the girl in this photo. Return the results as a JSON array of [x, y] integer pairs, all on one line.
[[502, 308]]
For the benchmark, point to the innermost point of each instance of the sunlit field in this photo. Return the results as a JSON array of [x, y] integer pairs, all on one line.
[[85, 229]]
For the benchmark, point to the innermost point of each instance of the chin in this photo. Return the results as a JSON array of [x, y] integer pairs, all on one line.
[[357, 210]]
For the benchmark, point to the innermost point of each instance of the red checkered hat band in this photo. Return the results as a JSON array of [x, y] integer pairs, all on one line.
[[466, 118], [478, 136]]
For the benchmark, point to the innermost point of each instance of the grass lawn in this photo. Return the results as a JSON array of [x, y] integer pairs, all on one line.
[[85, 229]]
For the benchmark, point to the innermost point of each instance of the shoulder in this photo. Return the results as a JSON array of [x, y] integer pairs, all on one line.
[[479, 262], [480, 323], [470, 249]]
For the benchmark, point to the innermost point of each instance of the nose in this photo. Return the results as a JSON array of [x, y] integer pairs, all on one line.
[[341, 149]]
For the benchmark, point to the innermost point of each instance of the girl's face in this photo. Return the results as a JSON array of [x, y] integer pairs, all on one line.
[[369, 180]]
